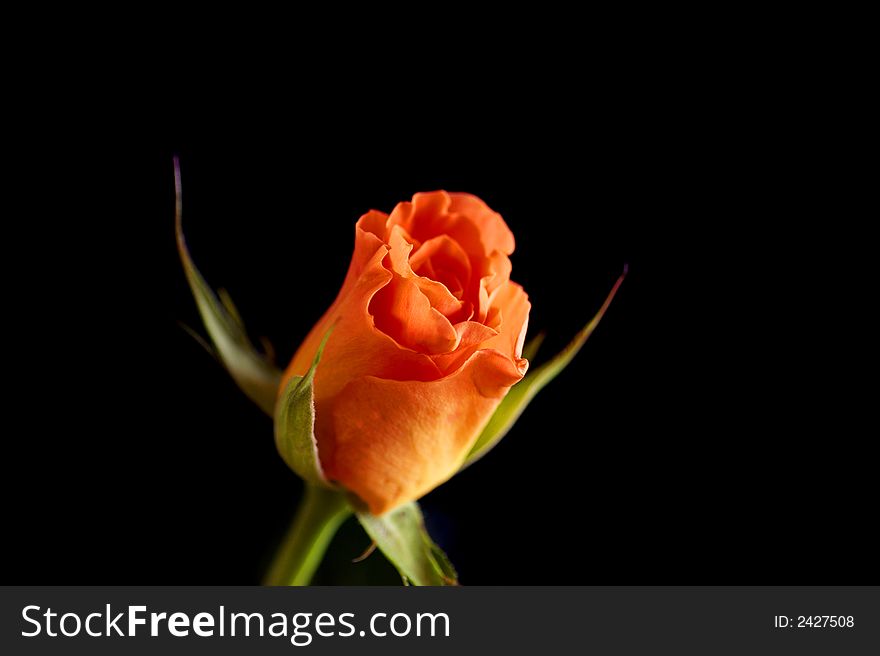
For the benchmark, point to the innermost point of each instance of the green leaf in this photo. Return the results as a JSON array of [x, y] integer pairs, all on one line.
[[295, 424], [401, 536], [254, 374], [521, 394]]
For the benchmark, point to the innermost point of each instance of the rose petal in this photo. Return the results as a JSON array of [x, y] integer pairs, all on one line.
[[479, 230], [442, 254], [403, 311], [358, 347], [472, 336], [513, 304], [439, 297], [492, 274], [374, 222], [497, 271], [396, 440], [493, 232]]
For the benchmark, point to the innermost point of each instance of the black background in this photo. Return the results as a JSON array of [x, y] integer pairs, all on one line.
[[698, 438]]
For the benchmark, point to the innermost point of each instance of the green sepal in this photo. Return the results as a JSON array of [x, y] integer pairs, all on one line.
[[402, 537], [295, 424], [521, 394], [530, 350], [257, 377]]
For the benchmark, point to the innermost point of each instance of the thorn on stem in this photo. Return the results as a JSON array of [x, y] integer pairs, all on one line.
[[366, 553]]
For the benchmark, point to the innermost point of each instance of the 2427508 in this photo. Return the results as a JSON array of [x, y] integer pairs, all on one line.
[[814, 622]]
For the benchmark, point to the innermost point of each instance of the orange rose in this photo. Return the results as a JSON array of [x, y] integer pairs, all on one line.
[[427, 337]]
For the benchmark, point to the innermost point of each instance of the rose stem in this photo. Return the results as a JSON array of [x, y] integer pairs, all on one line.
[[320, 514]]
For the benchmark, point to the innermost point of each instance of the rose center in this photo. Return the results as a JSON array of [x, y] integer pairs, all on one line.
[[451, 281], [442, 262]]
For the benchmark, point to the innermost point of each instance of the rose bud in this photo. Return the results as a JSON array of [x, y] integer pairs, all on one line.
[[426, 340]]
